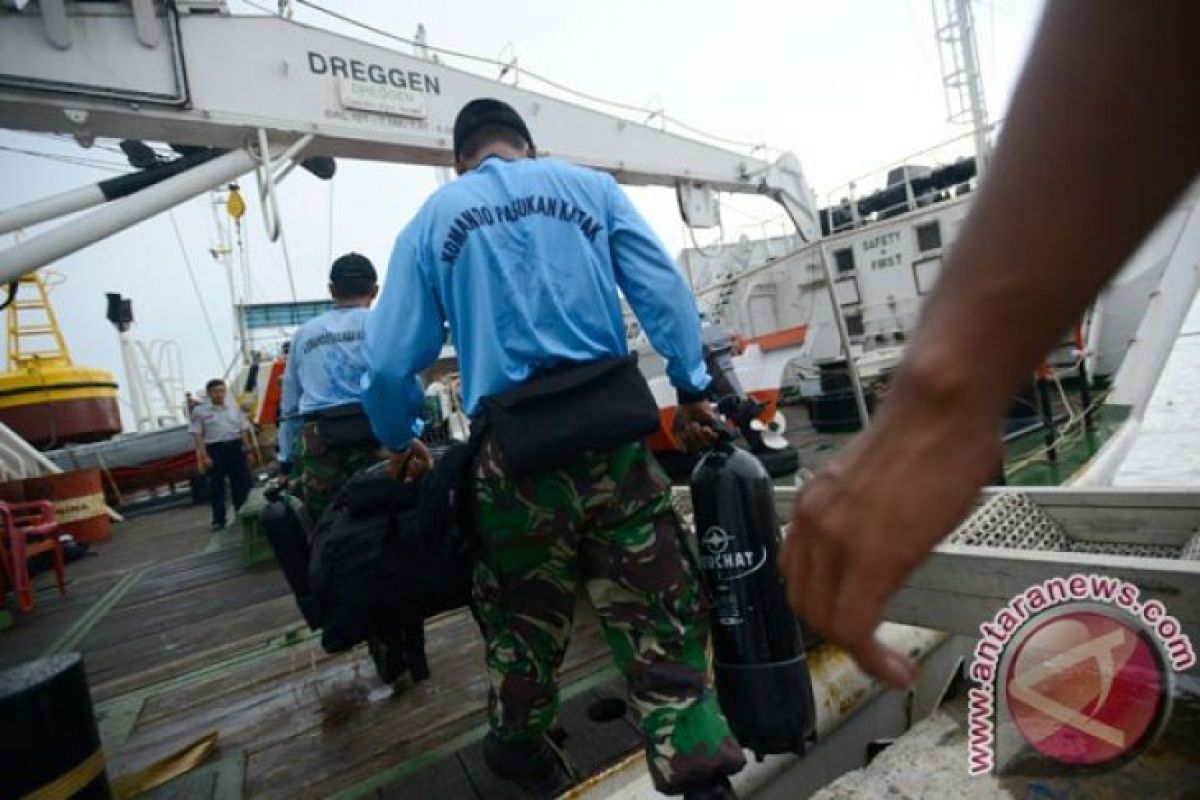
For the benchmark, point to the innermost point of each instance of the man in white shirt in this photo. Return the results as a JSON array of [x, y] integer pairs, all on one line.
[[222, 435]]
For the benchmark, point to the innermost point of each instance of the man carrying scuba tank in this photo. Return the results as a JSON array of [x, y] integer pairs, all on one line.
[[324, 435], [524, 257]]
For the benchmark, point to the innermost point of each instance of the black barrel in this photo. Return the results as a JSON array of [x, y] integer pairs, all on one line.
[[49, 743], [760, 665]]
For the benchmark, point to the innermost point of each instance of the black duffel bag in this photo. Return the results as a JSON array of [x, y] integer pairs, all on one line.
[[287, 528], [388, 554]]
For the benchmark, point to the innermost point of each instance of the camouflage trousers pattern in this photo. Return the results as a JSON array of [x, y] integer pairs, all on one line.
[[322, 475], [608, 520]]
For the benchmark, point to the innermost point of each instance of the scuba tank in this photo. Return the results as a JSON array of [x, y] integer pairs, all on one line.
[[761, 670]]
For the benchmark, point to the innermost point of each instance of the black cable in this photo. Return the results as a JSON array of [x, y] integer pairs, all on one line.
[[12, 295], [75, 161]]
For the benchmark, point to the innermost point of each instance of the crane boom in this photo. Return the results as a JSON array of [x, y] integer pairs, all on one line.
[[269, 92], [169, 73]]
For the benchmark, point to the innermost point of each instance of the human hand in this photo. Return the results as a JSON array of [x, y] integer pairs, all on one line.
[[203, 463], [871, 515], [410, 463], [694, 426]]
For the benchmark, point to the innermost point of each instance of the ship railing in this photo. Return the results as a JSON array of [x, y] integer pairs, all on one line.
[[841, 209]]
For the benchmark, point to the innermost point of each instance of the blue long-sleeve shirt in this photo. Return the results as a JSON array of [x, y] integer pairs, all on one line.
[[325, 368], [523, 259]]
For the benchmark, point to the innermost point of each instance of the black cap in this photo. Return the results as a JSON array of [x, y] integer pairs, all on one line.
[[353, 269], [485, 111]]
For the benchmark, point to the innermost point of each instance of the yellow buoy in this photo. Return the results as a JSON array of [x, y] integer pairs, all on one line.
[[44, 397]]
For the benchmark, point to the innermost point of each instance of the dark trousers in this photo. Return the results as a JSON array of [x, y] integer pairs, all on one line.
[[228, 461]]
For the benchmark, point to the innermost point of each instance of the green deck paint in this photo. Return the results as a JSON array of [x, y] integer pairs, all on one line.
[[80, 628], [231, 778], [1075, 448]]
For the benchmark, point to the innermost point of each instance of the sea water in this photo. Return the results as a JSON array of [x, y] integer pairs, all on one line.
[[1166, 451]]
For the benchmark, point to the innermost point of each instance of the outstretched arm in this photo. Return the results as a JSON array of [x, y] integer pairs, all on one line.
[[1103, 135]]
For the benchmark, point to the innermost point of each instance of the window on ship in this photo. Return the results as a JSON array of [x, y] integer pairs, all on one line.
[[844, 260], [929, 237]]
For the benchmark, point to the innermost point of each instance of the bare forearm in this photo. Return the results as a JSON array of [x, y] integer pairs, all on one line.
[[1103, 135], [199, 442]]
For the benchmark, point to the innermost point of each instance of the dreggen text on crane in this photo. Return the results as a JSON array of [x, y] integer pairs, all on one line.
[[370, 72]]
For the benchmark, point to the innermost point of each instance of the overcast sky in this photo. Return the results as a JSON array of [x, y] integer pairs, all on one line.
[[848, 86]]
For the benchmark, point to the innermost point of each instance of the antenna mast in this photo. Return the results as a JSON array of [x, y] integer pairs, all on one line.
[[959, 56]]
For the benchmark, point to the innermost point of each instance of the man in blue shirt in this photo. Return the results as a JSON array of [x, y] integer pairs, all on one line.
[[524, 258], [324, 373], [323, 428]]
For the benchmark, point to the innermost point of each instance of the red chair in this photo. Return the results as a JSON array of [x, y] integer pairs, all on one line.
[[27, 530]]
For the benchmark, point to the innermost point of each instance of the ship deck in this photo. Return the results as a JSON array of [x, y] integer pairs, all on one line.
[[180, 640]]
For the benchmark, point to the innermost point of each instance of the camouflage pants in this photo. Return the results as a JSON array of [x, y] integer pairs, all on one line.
[[608, 520], [322, 475]]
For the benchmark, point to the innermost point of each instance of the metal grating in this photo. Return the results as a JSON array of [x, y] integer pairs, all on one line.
[[1191, 550], [1127, 549], [1015, 521], [1012, 521]]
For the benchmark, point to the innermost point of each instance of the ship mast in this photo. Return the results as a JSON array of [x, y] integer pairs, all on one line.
[[223, 252], [958, 52]]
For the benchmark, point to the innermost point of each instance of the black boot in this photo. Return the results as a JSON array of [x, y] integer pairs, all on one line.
[[720, 789], [534, 766]]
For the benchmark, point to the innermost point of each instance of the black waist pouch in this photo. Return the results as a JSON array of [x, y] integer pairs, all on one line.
[[341, 426], [551, 419]]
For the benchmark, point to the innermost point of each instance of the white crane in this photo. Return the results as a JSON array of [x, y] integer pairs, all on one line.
[[238, 93]]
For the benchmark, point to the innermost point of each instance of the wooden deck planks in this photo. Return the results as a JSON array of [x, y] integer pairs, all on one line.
[[128, 624], [115, 670], [305, 723], [386, 731], [32, 634], [133, 545]]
